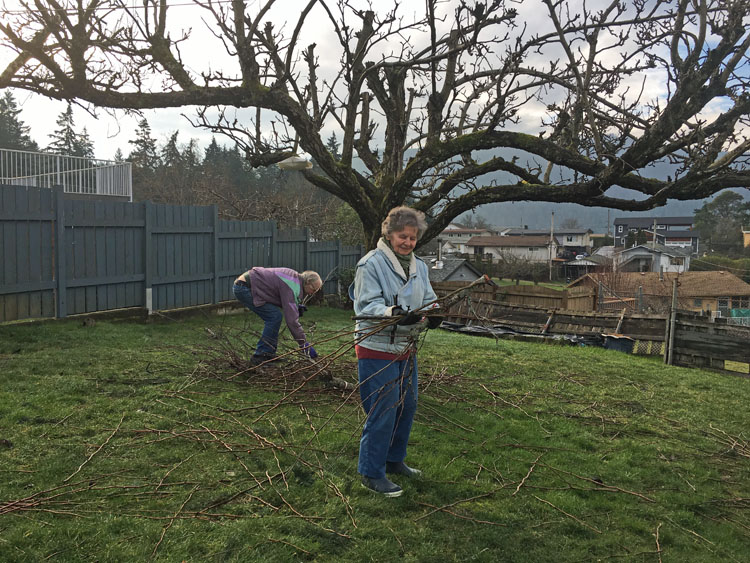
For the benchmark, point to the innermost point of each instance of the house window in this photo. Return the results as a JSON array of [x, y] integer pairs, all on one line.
[[532, 249], [478, 250], [619, 228], [569, 239], [724, 307], [661, 227], [740, 303], [676, 261], [697, 302]]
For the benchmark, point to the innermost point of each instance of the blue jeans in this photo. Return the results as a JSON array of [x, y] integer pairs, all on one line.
[[388, 390], [271, 315]]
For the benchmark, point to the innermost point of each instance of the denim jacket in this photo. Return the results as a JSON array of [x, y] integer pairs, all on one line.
[[380, 284]]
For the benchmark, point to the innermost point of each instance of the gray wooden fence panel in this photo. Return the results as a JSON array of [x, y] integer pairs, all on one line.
[[324, 259], [291, 249], [242, 245], [26, 254], [61, 257], [350, 255], [183, 256], [103, 245]]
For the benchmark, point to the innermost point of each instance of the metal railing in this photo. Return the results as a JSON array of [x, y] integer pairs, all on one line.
[[78, 175]]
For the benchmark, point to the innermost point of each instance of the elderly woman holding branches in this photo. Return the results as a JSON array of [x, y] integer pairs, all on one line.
[[273, 294], [391, 291]]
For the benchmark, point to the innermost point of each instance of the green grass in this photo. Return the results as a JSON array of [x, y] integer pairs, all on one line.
[[551, 285], [133, 442]]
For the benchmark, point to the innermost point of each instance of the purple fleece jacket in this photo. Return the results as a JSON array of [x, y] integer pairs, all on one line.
[[281, 287]]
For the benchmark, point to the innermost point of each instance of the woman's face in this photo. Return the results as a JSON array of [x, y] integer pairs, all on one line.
[[404, 241]]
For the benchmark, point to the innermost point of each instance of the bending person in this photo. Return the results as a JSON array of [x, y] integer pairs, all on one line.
[[390, 281], [273, 294]]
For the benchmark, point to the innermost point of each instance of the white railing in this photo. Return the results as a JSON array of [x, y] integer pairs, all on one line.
[[75, 174]]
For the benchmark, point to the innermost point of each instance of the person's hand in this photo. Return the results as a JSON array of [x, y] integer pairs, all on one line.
[[433, 321], [309, 351], [301, 309], [407, 318]]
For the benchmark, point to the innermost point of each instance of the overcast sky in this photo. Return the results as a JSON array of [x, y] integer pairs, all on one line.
[[203, 52], [111, 131]]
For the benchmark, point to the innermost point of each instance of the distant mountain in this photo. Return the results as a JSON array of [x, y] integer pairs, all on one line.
[[537, 215]]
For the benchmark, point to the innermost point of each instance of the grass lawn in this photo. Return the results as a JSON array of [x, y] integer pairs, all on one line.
[[551, 285], [132, 442]]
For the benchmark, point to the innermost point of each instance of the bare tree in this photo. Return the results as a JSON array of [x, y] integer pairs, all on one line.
[[434, 108], [571, 223]]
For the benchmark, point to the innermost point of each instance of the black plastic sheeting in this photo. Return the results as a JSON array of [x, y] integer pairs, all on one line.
[[499, 331]]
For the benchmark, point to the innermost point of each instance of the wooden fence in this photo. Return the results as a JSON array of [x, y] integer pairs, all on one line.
[[701, 343], [575, 299], [62, 257], [697, 341]]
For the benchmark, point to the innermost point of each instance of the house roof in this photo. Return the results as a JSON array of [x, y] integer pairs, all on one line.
[[691, 284], [649, 221], [658, 249], [593, 260], [450, 266], [466, 231], [502, 242], [537, 232]]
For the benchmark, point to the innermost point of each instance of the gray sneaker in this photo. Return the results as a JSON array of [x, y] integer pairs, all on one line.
[[400, 468], [382, 486]]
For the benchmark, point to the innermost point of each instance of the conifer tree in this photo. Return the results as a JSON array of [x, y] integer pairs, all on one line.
[[14, 134], [64, 138]]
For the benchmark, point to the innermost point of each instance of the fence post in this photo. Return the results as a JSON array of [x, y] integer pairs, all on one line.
[[215, 234], [148, 255], [306, 246], [672, 323], [599, 299], [273, 250], [60, 264], [339, 260], [640, 299]]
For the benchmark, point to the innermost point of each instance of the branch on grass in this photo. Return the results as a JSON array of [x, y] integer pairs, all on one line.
[[528, 474], [68, 478], [567, 514]]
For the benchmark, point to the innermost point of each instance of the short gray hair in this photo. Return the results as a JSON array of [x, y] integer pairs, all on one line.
[[308, 277], [402, 217]]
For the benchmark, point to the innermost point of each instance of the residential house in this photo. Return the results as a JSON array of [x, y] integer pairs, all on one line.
[[573, 241], [670, 231], [453, 238], [716, 292], [529, 248], [653, 258], [580, 265], [453, 269]]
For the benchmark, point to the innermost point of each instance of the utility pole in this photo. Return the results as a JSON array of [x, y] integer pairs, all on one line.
[[608, 231], [551, 242]]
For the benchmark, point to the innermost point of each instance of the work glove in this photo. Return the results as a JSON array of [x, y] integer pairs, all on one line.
[[434, 321], [309, 351], [407, 318], [301, 309]]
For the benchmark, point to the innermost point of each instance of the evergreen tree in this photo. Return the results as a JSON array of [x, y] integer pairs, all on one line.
[[14, 134], [118, 155], [144, 154], [332, 145], [64, 138], [720, 222], [83, 145]]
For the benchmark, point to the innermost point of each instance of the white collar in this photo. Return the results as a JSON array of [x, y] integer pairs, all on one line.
[[388, 251]]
